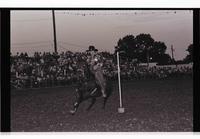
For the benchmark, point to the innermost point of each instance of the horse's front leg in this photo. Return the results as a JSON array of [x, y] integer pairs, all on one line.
[[75, 107], [77, 102], [93, 100]]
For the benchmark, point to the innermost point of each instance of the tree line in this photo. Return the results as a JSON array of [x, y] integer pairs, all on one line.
[[144, 49]]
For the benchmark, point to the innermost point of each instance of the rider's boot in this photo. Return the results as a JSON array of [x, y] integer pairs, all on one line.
[[103, 94]]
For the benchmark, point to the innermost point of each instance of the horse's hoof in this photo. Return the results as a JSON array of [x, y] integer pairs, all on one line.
[[72, 112]]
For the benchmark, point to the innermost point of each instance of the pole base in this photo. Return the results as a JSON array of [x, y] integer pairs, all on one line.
[[121, 110]]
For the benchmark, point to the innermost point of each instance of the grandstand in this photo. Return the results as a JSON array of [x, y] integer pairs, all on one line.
[[50, 69]]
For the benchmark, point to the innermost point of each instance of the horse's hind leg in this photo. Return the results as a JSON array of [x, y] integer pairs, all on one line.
[[104, 102], [93, 100]]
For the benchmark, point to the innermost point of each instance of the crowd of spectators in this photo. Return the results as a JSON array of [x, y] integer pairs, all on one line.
[[52, 69]]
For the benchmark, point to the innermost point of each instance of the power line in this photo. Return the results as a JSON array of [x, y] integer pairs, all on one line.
[[63, 47], [100, 13], [41, 46], [111, 13], [32, 43], [31, 20], [72, 44], [48, 43]]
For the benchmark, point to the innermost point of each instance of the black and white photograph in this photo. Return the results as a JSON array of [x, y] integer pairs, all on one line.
[[101, 70]]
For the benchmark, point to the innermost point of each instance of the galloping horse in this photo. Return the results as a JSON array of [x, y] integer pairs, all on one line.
[[91, 90]]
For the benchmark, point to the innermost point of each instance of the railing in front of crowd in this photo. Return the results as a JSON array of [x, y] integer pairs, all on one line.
[[30, 83]]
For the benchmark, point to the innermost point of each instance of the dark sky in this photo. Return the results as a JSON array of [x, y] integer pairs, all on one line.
[[76, 30]]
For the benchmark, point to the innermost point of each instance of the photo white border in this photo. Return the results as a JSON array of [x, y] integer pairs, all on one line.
[[102, 3], [100, 135]]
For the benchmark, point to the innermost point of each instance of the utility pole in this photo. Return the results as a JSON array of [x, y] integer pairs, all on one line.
[[147, 55], [54, 31], [172, 51]]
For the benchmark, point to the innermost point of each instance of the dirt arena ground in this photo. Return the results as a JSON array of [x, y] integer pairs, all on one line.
[[152, 105]]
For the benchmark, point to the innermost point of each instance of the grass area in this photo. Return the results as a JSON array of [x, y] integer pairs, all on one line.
[[151, 105]]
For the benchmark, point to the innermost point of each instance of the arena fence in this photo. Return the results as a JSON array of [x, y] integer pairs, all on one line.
[[31, 82]]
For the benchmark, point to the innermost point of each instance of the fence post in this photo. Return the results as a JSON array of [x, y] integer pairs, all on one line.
[[31, 86]]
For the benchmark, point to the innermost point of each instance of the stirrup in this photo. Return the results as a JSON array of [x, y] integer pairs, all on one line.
[[93, 91]]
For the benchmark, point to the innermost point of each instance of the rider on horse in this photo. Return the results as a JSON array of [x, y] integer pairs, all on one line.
[[96, 69]]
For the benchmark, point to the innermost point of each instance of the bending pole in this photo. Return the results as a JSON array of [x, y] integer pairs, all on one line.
[[120, 109]]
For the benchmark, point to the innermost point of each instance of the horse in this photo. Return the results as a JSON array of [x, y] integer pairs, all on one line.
[[90, 90]]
